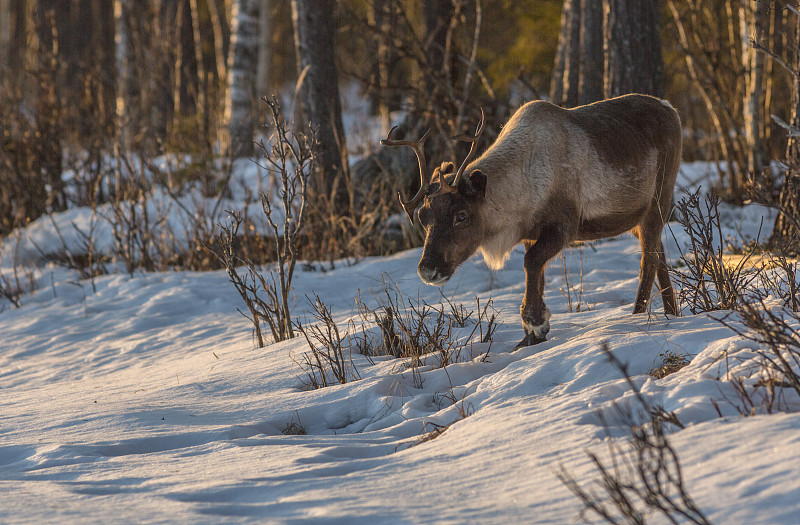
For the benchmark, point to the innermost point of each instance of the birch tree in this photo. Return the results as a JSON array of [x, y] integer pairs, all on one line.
[[125, 71], [240, 102], [753, 20]]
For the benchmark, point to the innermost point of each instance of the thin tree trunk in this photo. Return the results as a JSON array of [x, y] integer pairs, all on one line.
[[49, 125], [240, 103], [438, 15], [772, 34], [105, 41], [166, 43], [752, 19], [592, 60], [21, 28], [177, 69], [314, 28], [380, 17], [121, 43], [264, 52], [6, 36], [785, 232], [201, 78], [572, 68], [557, 81], [188, 87], [220, 51]]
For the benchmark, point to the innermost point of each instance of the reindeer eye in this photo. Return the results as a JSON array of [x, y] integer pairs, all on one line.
[[460, 218]]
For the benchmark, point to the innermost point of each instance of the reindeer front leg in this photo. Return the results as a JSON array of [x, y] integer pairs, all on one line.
[[535, 315]]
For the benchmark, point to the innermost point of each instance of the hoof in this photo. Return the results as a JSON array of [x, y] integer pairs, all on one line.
[[531, 339], [535, 334]]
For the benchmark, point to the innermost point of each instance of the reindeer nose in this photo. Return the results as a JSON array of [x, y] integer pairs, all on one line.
[[431, 276]]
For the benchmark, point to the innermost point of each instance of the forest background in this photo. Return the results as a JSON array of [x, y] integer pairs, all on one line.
[[98, 90]]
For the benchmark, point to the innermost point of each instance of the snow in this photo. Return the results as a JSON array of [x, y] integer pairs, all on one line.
[[143, 399]]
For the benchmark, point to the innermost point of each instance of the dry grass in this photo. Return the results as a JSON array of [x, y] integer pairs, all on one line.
[[671, 362], [329, 360]]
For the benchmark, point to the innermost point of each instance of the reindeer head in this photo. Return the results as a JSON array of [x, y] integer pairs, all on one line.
[[450, 210]]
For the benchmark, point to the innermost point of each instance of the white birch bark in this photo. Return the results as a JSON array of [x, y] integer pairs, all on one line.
[[752, 20], [243, 53]]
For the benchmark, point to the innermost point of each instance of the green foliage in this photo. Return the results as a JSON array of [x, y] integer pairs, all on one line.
[[519, 37]]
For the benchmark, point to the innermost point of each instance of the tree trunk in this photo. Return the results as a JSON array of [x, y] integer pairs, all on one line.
[[201, 78], [572, 68], [187, 73], [578, 72], [47, 106], [753, 19], [381, 18], [786, 230], [15, 23], [437, 15], [319, 94], [240, 102], [163, 82], [591, 60], [557, 81], [633, 48], [221, 41], [263, 87], [6, 36], [130, 121]]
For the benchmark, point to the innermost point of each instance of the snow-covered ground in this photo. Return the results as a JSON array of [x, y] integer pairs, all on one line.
[[143, 399]]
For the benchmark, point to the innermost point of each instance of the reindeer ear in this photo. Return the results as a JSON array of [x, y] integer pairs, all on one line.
[[474, 184]]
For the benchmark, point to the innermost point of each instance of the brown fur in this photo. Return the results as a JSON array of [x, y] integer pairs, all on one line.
[[555, 176]]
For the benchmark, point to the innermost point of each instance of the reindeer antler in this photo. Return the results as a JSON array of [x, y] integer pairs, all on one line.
[[419, 148], [474, 141]]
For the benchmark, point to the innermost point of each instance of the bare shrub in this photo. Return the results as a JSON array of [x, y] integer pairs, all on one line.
[[329, 361], [753, 397], [423, 334], [134, 225], [259, 293], [784, 284], [16, 286], [295, 428], [777, 332], [572, 292], [84, 258], [644, 476], [707, 282], [19, 283], [290, 156]]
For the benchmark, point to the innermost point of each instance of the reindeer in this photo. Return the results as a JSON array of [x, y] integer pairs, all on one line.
[[553, 176]]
